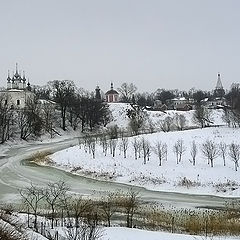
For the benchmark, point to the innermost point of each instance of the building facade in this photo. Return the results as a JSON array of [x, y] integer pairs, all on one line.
[[112, 95], [18, 90]]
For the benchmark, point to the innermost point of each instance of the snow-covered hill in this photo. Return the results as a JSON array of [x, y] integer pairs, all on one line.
[[119, 114], [182, 177]]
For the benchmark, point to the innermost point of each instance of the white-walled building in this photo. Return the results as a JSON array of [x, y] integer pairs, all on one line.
[[18, 91]]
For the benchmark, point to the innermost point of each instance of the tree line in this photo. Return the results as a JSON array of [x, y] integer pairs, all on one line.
[[143, 148], [79, 217], [66, 106], [82, 216]]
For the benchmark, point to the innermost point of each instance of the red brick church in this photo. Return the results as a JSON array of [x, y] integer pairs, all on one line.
[[112, 95]]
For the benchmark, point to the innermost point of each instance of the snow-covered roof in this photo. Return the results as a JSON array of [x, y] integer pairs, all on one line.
[[179, 99], [15, 90], [204, 100], [44, 101]]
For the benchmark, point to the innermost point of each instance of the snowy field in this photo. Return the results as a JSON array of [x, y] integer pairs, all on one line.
[[121, 233], [116, 233], [181, 177]]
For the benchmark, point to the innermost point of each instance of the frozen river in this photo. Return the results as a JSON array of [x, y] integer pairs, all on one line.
[[15, 173]]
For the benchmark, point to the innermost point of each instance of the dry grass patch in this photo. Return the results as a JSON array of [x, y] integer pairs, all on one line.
[[41, 157], [185, 182]]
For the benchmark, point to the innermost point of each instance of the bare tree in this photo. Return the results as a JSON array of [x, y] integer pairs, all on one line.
[[109, 206], [93, 148], [137, 119], [193, 152], [127, 90], [79, 207], [113, 146], [161, 151], [85, 143], [48, 117], [63, 92], [29, 120], [231, 118], [89, 140], [180, 122], [227, 117], [112, 131], [179, 149], [234, 153], [210, 150], [130, 202], [145, 149], [124, 145], [223, 150], [150, 125], [136, 145], [202, 116], [54, 194], [32, 197], [6, 117], [166, 124], [148, 151], [104, 143]]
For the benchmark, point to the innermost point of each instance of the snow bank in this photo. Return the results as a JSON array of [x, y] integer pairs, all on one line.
[[116, 233]]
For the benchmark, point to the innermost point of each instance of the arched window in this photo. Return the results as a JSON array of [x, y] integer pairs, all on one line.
[[18, 102]]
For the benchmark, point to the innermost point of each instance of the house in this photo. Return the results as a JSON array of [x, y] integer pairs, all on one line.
[[112, 95], [179, 103], [159, 106], [18, 90], [216, 103], [183, 107]]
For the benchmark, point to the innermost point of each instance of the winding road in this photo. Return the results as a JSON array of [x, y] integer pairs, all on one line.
[[15, 173]]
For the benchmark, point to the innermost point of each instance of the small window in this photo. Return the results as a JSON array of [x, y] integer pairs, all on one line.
[[5, 102], [18, 102]]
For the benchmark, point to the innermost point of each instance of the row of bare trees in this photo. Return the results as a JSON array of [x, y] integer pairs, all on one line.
[[142, 148], [210, 150], [77, 212]]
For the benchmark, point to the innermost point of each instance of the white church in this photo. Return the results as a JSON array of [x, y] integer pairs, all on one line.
[[18, 90]]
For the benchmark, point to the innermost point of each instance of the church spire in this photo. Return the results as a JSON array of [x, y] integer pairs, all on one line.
[[29, 86], [8, 77], [16, 75], [9, 83], [16, 68], [24, 77], [219, 91], [219, 82]]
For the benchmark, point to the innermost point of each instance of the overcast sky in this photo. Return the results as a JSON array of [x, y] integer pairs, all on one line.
[[151, 43]]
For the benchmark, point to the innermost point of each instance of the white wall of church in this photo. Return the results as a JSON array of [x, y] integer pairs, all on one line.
[[16, 98]]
